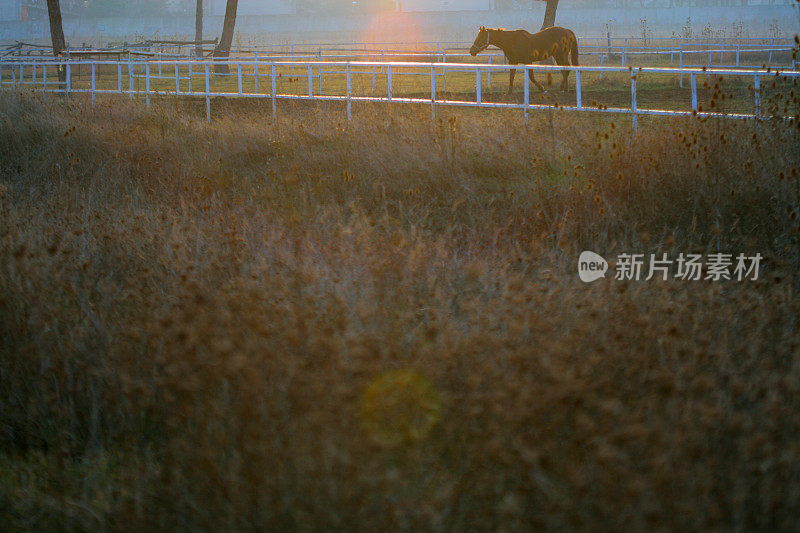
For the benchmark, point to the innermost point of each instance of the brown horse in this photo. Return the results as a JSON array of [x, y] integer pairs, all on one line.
[[519, 46]]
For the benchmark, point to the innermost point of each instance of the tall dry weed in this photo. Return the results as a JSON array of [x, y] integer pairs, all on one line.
[[307, 323]]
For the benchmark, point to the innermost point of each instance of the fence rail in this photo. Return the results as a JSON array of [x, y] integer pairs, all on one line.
[[193, 78], [622, 47]]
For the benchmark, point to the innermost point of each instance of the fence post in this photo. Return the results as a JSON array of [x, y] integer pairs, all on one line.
[[130, 78], [680, 64], [625, 52], [319, 69], [93, 82], [672, 50], [69, 79], [602, 58], [311, 82], [526, 92], [433, 92], [771, 48], [633, 100], [349, 91], [578, 97], [147, 83], [693, 81], [44, 73], [274, 91], [208, 94], [239, 77], [389, 82], [757, 93], [177, 80], [373, 75], [444, 70], [489, 75], [255, 73], [478, 85], [722, 53]]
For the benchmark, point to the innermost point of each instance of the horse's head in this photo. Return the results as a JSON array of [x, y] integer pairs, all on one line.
[[481, 42]]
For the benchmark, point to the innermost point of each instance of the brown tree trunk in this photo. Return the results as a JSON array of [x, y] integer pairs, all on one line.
[[57, 34], [797, 6], [198, 29], [550, 14], [223, 48]]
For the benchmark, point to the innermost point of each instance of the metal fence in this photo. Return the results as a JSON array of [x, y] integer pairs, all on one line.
[[196, 78]]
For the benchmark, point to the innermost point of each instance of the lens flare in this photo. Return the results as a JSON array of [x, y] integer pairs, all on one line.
[[400, 407]]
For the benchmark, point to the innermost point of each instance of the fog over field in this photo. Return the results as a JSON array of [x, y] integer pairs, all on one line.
[[278, 22]]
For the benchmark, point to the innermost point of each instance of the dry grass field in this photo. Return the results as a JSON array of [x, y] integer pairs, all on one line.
[[305, 323]]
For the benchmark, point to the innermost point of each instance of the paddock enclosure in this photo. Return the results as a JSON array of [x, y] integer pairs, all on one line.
[[730, 78], [330, 285]]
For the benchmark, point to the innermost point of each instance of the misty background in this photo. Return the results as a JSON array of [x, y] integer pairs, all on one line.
[[98, 22]]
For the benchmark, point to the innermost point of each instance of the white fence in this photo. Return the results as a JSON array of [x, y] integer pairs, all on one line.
[[193, 78], [624, 48], [681, 52]]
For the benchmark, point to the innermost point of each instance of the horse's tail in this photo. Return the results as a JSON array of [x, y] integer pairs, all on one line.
[[574, 50]]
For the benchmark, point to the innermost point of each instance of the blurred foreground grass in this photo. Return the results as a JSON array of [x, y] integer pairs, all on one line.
[[306, 323]]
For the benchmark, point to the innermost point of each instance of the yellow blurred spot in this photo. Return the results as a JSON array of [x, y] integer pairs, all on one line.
[[400, 407]]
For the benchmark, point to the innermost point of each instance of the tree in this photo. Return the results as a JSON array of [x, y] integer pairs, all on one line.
[[57, 34], [550, 14], [223, 48], [198, 29], [797, 5]]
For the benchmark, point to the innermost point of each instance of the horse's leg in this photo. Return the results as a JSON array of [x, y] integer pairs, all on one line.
[[511, 74], [536, 83]]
